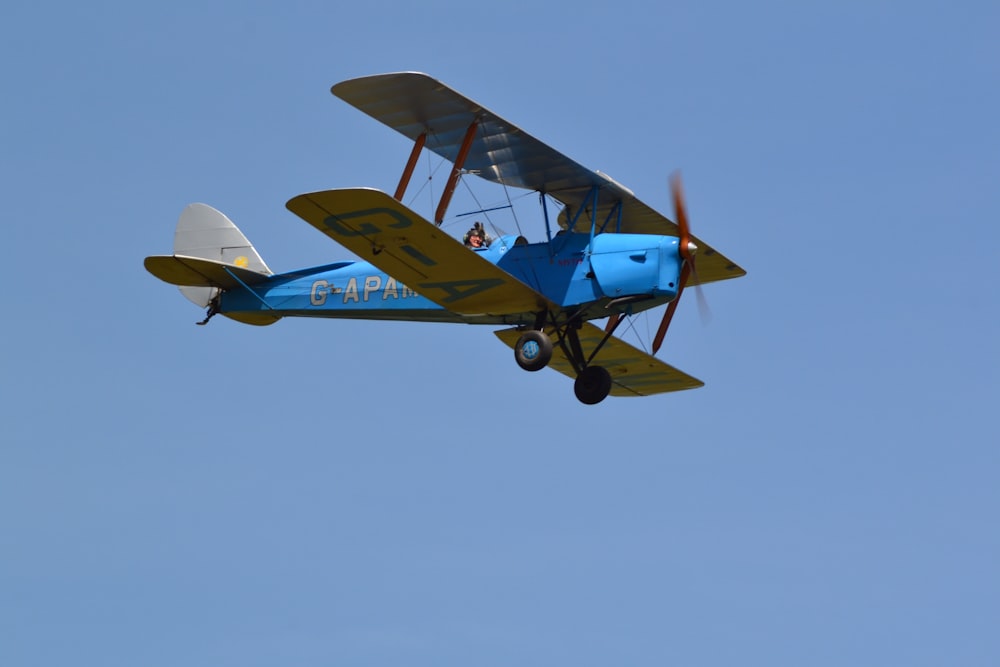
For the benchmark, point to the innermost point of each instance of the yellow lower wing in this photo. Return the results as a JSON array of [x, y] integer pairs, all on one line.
[[373, 225], [633, 372]]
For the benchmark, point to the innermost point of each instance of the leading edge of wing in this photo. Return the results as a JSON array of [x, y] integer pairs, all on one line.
[[377, 227], [633, 372]]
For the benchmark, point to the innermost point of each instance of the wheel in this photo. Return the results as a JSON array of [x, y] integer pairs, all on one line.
[[533, 350], [592, 385]]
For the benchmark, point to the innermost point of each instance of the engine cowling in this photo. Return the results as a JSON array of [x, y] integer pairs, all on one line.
[[635, 264]]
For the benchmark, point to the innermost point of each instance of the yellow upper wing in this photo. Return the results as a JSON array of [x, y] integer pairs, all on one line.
[[633, 372], [373, 225]]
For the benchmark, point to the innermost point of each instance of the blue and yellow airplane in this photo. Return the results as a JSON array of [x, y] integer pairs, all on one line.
[[612, 255]]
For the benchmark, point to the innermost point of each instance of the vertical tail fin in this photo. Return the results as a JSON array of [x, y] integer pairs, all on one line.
[[205, 232]]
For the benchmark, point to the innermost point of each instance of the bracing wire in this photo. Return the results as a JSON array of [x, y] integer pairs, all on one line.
[[428, 185], [517, 223], [485, 210], [630, 327]]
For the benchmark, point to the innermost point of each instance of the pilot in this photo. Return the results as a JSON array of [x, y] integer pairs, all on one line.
[[477, 236]]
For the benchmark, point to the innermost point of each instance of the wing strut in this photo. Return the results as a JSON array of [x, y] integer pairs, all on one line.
[[456, 170], [404, 180]]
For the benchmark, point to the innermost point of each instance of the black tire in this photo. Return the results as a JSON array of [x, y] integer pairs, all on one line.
[[533, 350], [592, 385]]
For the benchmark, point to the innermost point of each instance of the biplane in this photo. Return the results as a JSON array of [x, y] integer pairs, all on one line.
[[611, 256]]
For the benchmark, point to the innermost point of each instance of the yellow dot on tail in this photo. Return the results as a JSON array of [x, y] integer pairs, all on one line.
[[241, 261]]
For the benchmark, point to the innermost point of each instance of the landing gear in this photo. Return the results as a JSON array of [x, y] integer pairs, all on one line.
[[533, 350], [592, 385]]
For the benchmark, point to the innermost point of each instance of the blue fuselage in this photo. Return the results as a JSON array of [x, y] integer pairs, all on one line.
[[572, 270]]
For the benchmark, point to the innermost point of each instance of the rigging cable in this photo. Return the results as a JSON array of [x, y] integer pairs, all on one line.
[[428, 184]]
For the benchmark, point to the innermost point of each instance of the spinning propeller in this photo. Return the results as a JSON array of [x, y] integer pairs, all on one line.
[[687, 251]]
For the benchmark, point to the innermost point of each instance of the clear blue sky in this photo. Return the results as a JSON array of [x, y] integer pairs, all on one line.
[[351, 493]]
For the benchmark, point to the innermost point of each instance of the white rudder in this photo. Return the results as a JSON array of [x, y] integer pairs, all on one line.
[[205, 232]]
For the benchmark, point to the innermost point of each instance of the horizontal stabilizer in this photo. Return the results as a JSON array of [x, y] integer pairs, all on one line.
[[197, 272]]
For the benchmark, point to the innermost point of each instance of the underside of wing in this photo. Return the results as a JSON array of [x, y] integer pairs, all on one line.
[[416, 104], [633, 372], [373, 225], [413, 103]]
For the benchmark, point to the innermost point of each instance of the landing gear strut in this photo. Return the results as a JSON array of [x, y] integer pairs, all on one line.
[[534, 348]]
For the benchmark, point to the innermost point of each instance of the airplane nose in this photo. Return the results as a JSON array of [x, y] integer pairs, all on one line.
[[692, 248]]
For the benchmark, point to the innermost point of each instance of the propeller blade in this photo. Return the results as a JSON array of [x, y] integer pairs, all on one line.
[[704, 312], [686, 251], [680, 211], [671, 307]]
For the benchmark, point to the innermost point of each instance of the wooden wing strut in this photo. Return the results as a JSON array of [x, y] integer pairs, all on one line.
[[456, 170], [404, 180]]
